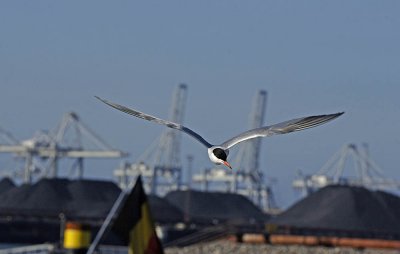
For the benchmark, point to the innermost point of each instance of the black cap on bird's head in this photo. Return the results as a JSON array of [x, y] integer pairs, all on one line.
[[222, 155]]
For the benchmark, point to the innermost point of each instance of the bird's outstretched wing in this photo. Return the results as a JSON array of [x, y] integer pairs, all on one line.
[[281, 128], [157, 120]]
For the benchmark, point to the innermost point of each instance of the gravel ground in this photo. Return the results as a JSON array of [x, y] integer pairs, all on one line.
[[224, 247]]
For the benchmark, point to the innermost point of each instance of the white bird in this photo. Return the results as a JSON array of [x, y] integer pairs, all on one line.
[[218, 153]]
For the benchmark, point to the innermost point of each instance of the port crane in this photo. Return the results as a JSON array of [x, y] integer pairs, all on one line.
[[54, 145], [367, 173]]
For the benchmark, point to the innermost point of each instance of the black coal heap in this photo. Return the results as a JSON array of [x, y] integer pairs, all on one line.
[[76, 199], [347, 208], [163, 211], [50, 197], [6, 184], [208, 207]]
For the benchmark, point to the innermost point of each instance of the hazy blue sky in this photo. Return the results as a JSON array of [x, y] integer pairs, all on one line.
[[313, 57]]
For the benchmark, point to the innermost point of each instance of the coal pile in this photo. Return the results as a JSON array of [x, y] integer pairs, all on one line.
[[6, 184], [76, 199], [91, 199], [164, 212], [345, 208], [216, 207], [30, 213], [50, 197]]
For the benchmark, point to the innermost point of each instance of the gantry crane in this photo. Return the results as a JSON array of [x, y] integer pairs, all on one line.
[[367, 172], [54, 145]]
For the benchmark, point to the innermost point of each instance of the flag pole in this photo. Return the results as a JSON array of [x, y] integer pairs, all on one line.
[[104, 227]]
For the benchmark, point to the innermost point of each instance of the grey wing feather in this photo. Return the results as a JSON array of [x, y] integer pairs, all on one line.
[[156, 120], [281, 128]]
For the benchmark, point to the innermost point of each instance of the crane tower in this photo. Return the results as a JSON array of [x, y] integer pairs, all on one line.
[[160, 165], [247, 178], [248, 156]]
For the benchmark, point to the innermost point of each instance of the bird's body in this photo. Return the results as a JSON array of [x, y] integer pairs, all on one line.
[[218, 153]]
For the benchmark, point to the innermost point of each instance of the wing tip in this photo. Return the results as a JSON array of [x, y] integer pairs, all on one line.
[[105, 101], [338, 114], [100, 99]]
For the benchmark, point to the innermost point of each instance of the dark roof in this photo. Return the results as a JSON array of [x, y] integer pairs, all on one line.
[[348, 208], [211, 207], [6, 184]]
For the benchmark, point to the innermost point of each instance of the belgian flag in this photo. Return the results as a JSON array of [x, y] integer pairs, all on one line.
[[134, 224]]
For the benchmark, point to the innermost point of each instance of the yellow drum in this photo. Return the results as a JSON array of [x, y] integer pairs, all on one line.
[[77, 236]]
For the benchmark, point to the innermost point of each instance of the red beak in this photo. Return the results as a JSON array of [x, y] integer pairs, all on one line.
[[227, 164]]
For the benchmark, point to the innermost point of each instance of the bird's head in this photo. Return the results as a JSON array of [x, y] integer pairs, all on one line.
[[218, 155]]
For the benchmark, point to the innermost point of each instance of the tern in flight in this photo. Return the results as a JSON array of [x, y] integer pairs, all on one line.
[[219, 153]]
